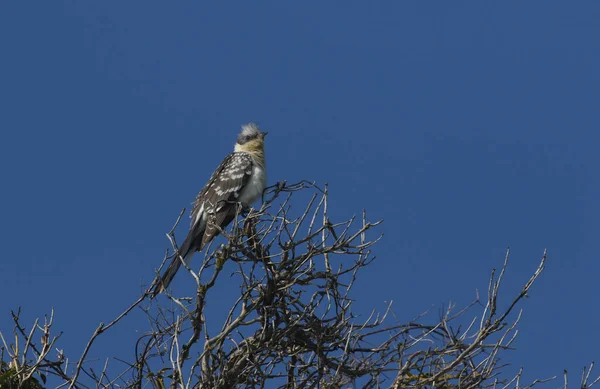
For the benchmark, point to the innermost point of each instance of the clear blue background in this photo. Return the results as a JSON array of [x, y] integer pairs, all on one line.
[[467, 126]]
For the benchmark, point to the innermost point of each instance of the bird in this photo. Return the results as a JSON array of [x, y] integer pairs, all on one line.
[[240, 179]]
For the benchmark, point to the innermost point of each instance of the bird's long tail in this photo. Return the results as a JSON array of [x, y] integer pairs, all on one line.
[[185, 252]]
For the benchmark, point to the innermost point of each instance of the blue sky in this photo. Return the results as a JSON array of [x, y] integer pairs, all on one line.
[[468, 127]]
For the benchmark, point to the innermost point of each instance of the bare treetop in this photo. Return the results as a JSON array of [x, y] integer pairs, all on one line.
[[293, 324]]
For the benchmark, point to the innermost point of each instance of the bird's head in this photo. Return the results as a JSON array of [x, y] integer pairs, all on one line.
[[251, 139]]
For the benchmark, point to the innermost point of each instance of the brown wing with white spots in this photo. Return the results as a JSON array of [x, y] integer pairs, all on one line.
[[218, 200], [219, 196]]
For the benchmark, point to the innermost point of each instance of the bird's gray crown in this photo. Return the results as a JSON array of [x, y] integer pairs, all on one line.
[[249, 132]]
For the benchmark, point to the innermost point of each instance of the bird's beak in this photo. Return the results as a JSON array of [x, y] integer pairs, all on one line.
[[264, 133]]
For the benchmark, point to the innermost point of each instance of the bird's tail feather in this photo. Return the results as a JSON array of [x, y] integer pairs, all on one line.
[[185, 252]]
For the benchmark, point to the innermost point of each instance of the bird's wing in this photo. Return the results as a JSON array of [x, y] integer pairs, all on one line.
[[218, 201], [219, 197]]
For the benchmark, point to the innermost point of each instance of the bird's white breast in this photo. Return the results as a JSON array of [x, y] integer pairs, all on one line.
[[253, 189]]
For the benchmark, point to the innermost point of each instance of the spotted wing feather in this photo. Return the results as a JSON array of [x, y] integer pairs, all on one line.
[[218, 202], [218, 199]]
